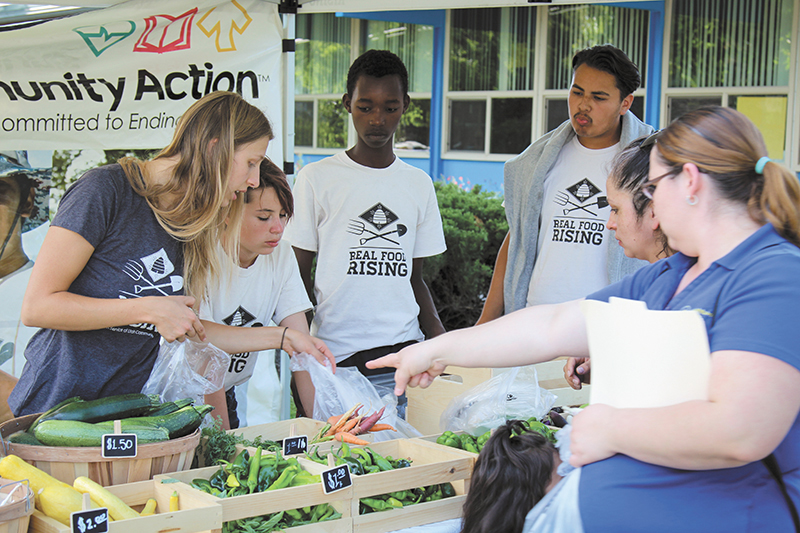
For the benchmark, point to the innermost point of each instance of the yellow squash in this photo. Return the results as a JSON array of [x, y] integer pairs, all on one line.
[[118, 509]]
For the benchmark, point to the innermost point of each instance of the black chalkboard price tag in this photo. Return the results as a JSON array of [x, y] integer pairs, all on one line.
[[295, 445], [336, 478], [119, 445], [91, 521]]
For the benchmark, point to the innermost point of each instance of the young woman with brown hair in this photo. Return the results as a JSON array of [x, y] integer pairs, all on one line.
[[129, 256]]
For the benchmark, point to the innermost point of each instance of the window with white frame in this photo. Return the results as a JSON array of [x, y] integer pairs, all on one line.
[[322, 59], [494, 92], [734, 53]]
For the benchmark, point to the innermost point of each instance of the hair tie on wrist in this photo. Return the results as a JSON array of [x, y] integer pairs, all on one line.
[[283, 335], [761, 164]]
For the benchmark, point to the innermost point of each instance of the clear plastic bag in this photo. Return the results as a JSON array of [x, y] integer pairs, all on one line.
[[510, 395], [187, 369], [336, 393]]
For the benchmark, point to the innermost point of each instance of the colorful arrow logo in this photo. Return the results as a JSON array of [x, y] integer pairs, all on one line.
[[222, 22]]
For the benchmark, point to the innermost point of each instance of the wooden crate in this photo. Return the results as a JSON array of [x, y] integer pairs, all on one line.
[[262, 503], [199, 512], [425, 406], [431, 464], [66, 463]]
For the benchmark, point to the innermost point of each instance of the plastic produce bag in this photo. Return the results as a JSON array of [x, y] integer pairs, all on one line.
[[510, 395], [187, 369], [336, 393]]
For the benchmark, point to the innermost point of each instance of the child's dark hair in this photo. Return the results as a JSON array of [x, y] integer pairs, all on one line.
[[511, 475], [611, 59], [270, 175], [377, 63]]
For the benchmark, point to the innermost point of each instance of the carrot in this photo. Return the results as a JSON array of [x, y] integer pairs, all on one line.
[[381, 427], [335, 418], [344, 418], [350, 424], [344, 436]]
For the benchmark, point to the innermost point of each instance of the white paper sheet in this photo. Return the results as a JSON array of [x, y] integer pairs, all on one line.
[[644, 358]]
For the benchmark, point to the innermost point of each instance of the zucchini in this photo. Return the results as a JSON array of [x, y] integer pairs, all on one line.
[[111, 408], [23, 437], [74, 433], [50, 411], [170, 407], [179, 424]]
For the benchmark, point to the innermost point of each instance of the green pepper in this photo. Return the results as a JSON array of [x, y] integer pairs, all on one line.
[[375, 504], [255, 464], [345, 449], [305, 478], [363, 456], [218, 479], [232, 481], [371, 469], [394, 502], [447, 490], [329, 512], [318, 511], [436, 495], [441, 438], [284, 479], [240, 463], [202, 484], [380, 461], [483, 438], [400, 495], [355, 466], [266, 476], [453, 442], [294, 513], [470, 446], [402, 463]]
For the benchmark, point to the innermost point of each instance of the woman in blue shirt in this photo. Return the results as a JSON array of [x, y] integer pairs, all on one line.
[[733, 216]]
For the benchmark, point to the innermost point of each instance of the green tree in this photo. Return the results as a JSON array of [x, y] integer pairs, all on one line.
[[474, 225]]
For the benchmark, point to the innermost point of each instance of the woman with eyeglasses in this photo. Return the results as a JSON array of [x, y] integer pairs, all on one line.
[[730, 463]]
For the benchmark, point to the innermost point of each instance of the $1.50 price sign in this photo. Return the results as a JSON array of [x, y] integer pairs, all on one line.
[[91, 521], [336, 479], [119, 445]]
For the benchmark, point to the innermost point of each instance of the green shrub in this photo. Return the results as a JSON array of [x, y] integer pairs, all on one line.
[[474, 224]]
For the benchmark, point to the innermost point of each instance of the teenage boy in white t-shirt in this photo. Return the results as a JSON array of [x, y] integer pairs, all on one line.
[[265, 287], [370, 219]]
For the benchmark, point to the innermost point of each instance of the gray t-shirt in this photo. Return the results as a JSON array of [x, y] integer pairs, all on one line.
[[133, 257]]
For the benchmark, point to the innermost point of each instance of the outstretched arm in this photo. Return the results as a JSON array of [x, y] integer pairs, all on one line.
[[527, 336]]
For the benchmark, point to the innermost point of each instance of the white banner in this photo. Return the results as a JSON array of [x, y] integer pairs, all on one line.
[[120, 77]]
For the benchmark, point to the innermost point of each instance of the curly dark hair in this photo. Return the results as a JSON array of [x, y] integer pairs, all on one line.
[[510, 476], [611, 59], [377, 63]]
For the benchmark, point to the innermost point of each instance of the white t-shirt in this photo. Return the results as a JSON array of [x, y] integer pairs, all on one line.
[[572, 256], [366, 225], [269, 290], [14, 335]]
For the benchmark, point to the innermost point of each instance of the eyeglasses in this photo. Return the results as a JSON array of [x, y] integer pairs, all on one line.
[[648, 188]]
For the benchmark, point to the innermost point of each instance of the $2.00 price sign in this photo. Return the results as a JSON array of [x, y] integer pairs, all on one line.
[[336, 479], [119, 445], [91, 521]]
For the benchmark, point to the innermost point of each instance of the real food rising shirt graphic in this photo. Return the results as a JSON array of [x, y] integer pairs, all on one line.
[[240, 318], [578, 219], [378, 251], [151, 275]]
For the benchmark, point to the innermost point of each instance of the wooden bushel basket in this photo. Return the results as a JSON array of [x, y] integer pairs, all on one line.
[[16, 512], [67, 463]]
